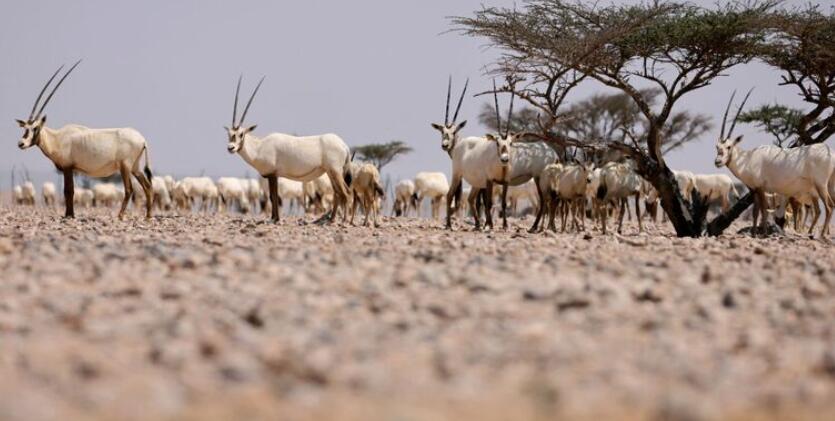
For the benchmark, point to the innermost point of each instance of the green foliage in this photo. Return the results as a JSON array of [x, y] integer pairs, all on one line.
[[778, 120], [381, 154]]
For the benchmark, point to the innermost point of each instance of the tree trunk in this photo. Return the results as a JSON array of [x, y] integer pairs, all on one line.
[[718, 225], [688, 219]]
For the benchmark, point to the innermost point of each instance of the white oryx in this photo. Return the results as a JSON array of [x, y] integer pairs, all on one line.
[[432, 185], [297, 158], [28, 193], [95, 152], [715, 188], [48, 193], [480, 162], [403, 198], [796, 172], [233, 192]]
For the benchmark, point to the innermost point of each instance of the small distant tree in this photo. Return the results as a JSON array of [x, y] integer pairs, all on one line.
[[777, 120], [381, 154]]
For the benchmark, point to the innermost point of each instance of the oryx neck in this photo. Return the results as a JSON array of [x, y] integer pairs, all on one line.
[[48, 140], [737, 158], [249, 146]]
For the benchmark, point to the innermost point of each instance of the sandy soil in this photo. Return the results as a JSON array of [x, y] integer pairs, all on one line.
[[215, 317]]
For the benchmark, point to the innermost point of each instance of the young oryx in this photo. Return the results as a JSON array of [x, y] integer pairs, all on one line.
[[404, 198], [796, 172], [481, 163], [95, 152], [297, 158]]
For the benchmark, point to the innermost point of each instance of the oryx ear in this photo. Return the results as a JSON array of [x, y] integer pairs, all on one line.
[[43, 119], [437, 127], [226, 128], [460, 126], [491, 137], [20, 123], [251, 128], [738, 139]]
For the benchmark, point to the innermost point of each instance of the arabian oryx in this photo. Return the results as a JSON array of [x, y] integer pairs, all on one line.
[[95, 152], [296, 158], [795, 172], [481, 162]]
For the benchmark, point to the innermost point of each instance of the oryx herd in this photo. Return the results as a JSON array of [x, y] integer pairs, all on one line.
[[317, 174]]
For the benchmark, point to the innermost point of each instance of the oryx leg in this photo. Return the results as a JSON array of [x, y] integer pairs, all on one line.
[[272, 183], [148, 189], [450, 196], [540, 210], [504, 205], [623, 207], [128, 189], [638, 212], [69, 193], [488, 205], [475, 206]]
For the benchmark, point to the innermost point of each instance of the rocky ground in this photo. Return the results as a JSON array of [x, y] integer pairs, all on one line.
[[219, 317]]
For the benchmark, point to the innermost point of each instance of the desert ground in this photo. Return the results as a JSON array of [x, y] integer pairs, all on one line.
[[231, 317]]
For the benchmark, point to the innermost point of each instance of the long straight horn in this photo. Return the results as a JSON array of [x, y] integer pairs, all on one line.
[[498, 117], [448, 94], [58, 85], [739, 111], [725, 117], [510, 114], [40, 95], [235, 107], [460, 101], [248, 103]]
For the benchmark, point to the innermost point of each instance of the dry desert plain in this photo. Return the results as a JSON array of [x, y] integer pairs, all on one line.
[[230, 317]]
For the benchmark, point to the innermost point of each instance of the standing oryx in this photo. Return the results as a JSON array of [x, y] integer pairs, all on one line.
[[95, 152], [801, 172], [296, 158], [481, 162]]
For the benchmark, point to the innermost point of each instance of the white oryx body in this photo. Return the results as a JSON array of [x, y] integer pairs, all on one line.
[[715, 188], [94, 152], [296, 158], [403, 201], [432, 185], [28, 190], [233, 191], [527, 162], [49, 193]]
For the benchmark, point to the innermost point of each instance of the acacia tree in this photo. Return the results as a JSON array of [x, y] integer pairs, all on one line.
[[609, 118], [777, 120], [381, 154], [676, 48]]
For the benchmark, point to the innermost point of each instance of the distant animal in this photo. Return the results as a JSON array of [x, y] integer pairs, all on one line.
[[367, 190], [48, 193]]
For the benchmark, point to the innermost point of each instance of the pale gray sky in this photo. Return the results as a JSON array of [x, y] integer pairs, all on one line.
[[368, 70]]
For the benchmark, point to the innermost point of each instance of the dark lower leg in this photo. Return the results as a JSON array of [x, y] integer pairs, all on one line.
[[272, 182], [69, 193]]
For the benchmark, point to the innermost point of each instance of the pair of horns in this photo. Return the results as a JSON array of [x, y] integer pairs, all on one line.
[[33, 114], [246, 109], [509, 112], [722, 134], [460, 101]]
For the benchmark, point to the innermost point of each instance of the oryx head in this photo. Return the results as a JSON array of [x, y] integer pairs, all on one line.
[[503, 141], [726, 143], [449, 130], [237, 132], [33, 125]]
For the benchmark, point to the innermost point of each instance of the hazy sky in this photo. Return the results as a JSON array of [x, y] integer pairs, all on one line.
[[368, 70]]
